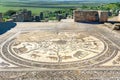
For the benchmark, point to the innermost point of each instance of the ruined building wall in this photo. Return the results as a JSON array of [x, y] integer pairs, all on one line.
[[119, 16], [1, 18], [103, 16], [27, 16], [22, 16], [90, 16]]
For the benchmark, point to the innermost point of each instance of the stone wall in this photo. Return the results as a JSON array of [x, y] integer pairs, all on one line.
[[103, 16], [22, 16], [119, 16], [27, 16], [1, 18], [90, 16]]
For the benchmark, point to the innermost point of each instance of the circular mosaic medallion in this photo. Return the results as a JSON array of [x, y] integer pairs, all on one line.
[[56, 49]]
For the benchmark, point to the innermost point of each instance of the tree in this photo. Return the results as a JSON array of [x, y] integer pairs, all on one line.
[[10, 12]]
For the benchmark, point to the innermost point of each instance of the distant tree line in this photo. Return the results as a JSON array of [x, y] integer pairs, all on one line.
[[114, 8], [46, 15]]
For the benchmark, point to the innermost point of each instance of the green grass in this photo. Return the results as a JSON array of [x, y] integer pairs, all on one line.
[[38, 7], [35, 11]]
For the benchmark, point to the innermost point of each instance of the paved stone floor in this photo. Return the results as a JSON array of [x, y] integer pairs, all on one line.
[[59, 51]]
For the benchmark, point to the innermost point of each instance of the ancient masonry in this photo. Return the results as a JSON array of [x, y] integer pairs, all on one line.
[[90, 16], [119, 16], [22, 16], [1, 19], [25, 16]]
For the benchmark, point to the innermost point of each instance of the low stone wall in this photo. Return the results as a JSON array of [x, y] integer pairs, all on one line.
[[90, 16]]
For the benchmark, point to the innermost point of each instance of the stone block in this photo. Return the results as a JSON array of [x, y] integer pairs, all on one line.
[[1, 18], [103, 16], [90, 16]]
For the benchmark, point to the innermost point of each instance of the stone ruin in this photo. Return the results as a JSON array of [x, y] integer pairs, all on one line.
[[90, 16], [25, 16], [1, 18], [119, 16], [22, 16]]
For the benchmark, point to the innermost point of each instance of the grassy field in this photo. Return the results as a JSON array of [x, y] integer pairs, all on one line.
[[34, 10], [37, 7]]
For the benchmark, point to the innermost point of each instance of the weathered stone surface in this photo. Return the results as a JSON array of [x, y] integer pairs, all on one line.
[[103, 16], [90, 16], [1, 19], [104, 66], [119, 16], [22, 16]]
